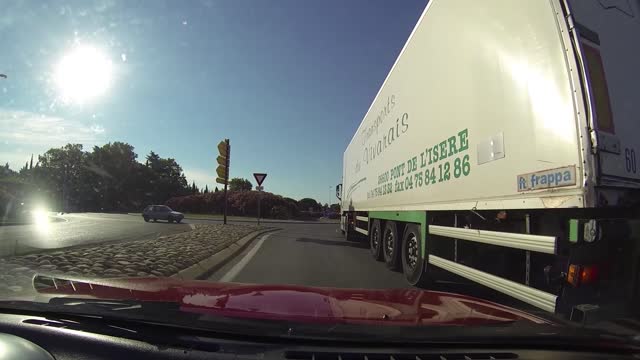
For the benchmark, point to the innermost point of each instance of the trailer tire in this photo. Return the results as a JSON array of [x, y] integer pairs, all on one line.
[[375, 243], [391, 245], [414, 265]]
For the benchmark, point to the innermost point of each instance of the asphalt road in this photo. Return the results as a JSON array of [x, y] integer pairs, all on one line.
[[80, 229], [318, 255], [311, 255]]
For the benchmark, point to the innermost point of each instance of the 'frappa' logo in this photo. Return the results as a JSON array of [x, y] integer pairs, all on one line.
[[545, 179]]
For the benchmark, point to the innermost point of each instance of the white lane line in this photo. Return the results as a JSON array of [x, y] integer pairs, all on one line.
[[235, 270]]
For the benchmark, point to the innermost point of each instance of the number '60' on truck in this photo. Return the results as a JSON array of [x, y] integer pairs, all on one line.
[[503, 148]]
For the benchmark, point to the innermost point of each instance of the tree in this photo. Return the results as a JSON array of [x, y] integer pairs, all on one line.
[[307, 204], [293, 205], [6, 171], [239, 184], [216, 190], [63, 173], [206, 189], [115, 177], [168, 180]]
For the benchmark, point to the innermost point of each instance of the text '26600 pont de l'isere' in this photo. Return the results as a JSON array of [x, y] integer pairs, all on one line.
[[444, 161]]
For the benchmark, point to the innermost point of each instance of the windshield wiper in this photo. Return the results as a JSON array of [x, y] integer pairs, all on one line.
[[102, 306], [143, 310]]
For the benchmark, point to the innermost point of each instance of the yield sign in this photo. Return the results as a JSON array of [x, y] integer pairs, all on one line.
[[259, 177]]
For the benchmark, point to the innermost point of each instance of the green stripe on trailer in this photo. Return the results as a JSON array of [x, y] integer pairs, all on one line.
[[416, 217], [573, 230]]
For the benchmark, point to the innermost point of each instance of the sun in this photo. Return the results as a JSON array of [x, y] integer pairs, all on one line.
[[83, 74]]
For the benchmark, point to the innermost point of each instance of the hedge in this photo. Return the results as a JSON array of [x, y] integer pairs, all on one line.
[[240, 203]]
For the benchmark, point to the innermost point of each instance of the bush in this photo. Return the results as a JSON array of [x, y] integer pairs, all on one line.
[[280, 212], [309, 215], [240, 203], [201, 203]]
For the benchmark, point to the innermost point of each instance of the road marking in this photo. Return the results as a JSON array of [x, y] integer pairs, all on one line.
[[235, 270]]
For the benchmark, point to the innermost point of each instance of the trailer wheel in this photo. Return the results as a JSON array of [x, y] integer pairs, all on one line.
[[391, 245], [375, 240], [413, 263]]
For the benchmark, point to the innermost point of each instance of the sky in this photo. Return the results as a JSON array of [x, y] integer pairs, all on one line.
[[287, 81]]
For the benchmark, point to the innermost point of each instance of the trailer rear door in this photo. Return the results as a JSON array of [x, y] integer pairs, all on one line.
[[609, 35]]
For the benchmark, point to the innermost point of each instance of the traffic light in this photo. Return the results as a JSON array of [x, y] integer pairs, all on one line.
[[223, 162]]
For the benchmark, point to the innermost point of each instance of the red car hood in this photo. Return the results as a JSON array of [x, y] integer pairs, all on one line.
[[296, 303]]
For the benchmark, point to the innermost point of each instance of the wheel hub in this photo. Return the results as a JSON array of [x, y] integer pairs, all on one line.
[[412, 251], [389, 243], [374, 238]]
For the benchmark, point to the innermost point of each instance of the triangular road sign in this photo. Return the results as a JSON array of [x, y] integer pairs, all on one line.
[[259, 177]]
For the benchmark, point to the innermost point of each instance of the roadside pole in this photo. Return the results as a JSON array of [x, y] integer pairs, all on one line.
[[225, 205], [259, 188], [259, 179], [224, 147], [226, 181]]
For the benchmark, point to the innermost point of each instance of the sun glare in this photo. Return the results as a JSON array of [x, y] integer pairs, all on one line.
[[83, 74], [41, 220]]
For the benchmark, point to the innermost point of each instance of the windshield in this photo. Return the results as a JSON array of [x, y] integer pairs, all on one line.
[[411, 164]]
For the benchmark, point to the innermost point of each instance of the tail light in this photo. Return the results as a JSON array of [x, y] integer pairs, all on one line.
[[582, 274]]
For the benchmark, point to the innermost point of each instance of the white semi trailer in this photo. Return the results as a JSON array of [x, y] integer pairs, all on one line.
[[504, 147]]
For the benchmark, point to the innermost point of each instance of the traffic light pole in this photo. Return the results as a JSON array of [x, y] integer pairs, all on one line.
[[225, 204], [226, 182]]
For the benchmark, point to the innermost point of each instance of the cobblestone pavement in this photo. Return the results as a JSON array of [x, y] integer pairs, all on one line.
[[159, 257]]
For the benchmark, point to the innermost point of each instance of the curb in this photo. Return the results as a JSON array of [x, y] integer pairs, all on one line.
[[269, 221], [213, 263], [265, 221]]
